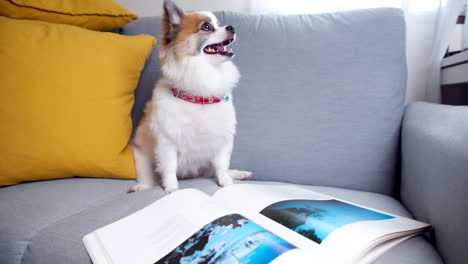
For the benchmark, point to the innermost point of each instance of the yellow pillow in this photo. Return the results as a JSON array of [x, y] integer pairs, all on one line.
[[66, 94], [104, 15]]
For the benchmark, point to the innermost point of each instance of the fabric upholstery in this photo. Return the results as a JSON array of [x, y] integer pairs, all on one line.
[[52, 232], [434, 180], [104, 15], [321, 97], [66, 94]]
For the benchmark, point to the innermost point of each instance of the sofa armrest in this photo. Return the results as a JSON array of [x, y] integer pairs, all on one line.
[[434, 184]]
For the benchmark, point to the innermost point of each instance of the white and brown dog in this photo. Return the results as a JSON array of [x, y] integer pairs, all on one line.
[[189, 124]]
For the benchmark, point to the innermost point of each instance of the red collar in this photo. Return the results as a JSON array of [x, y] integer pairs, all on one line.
[[197, 99]]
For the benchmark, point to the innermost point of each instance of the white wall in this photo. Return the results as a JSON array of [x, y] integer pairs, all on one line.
[[154, 7], [457, 39], [465, 34]]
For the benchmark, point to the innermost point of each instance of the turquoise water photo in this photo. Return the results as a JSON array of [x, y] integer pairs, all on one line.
[[231, 239], [316, 219]]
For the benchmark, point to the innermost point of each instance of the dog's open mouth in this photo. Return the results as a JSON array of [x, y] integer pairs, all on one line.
[[220, 48]]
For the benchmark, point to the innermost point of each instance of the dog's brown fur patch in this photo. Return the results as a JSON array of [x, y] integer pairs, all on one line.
[[190, 24]]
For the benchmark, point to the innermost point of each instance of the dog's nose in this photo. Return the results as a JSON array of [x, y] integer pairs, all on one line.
[[230, 29]]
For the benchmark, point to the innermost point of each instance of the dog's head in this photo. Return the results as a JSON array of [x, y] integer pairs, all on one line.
[[197, 34]]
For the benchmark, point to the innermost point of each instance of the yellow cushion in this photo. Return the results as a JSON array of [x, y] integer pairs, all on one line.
[[104, 15], [66, 94]]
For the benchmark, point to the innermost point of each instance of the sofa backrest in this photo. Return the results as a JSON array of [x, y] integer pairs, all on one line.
[[320, 99]]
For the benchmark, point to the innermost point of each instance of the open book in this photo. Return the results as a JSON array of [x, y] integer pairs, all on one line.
[[250, 223]]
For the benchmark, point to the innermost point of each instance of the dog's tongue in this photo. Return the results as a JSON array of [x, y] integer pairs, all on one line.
[[220, 47]]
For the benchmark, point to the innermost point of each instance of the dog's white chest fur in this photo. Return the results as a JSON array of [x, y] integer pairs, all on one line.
[[199, 132]]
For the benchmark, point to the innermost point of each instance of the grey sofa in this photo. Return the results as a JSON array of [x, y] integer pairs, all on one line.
[[321, 104]]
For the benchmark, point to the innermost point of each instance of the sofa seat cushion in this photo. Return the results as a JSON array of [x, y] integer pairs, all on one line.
[[44, 222]]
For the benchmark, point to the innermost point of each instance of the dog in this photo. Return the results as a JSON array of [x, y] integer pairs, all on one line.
[[189, 124]]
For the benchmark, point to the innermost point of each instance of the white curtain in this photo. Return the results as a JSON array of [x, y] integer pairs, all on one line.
[[430, 25]]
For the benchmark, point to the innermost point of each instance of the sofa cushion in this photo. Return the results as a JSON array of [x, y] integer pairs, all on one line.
[[65, 99], [320, 99], [102, 15], [47, 220]]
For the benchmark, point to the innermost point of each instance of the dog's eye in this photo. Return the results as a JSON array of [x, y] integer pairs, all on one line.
[[207, 27]]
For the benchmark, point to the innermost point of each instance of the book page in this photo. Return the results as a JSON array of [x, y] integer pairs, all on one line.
[[151, 232], [185, 227], [379, 250], [302, 256], [316, 222]]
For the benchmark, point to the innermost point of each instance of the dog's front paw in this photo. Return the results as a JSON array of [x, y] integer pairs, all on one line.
[[169, 190], [225, 181], [240, 175], [139, 187], [170, 184]]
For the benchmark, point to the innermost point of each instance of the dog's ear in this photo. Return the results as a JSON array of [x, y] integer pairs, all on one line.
[[173, 12], [172, 18]]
